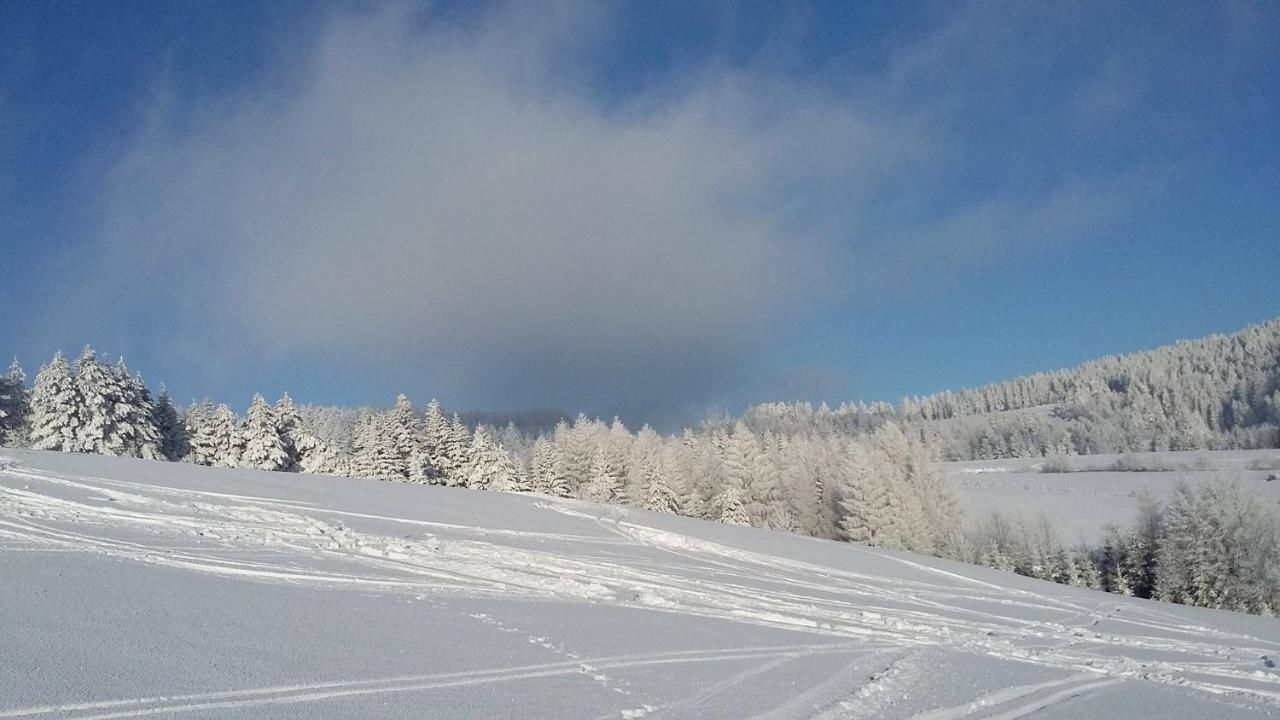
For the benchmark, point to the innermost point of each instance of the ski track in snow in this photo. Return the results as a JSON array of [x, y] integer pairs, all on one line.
[[313, 692], [265, 539]]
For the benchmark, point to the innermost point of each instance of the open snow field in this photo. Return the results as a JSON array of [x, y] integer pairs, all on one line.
[[137, 589], [1081, 503]]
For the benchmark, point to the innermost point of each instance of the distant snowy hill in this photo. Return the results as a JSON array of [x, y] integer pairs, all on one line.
[[136, 589]]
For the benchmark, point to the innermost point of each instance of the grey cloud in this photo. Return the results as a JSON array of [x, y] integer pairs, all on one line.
[[451, 208], [442, 206]]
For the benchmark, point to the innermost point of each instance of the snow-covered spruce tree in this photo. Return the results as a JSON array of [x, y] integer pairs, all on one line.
[[373, 449], [263, 447], [332, 426], [703, 466], [543, 477], [644, 450], [732, 510], [317, 457], [201, 446], [1221, 549], [1141, 547], [617, 442], [482, 459], [172, 430], [404, 434], [224, 430], [458, 450], [15, 404], [996, 556], [116, 411], [289, 424], [659, 496], [512, 439], [864, 498], [55, 408], [1108, 559], [135, 416], [605, 480], [807, 466], [576, 446], [100, 393], [419, 467], [1037, 549], [506, 473], [907, 526], [436, 443], [747, 467]]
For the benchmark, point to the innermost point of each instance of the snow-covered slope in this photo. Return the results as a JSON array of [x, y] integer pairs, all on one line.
[[1082, 502], [138, 589]]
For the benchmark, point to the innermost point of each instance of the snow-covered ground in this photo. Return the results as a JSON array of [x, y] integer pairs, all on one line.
[[1082, 502], [137, 589]]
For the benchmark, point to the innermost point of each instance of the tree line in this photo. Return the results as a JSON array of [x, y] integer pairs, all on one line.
[[880, 488], [1212, 545], [861, 473]]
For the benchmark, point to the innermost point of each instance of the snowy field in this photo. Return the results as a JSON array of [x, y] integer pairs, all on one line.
[[137, 589], [1081, 503]]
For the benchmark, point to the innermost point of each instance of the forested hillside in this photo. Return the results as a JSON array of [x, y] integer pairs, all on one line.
[[1220, 392], [860, 473]]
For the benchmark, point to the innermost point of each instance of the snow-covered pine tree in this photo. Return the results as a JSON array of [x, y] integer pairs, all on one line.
[[458, 450], [289, 423], [512, 439], [263, 447], [373, 447], [363, 442], [135, 416], [172, 430], [645, 449], [576, 446], [1141, 546], [864, 503], [703, 465], [318, 457], [419, 467], [658, 494], [201, 447], [507, 476], [482, 459], [1089, 576], [741, 458], [1221, 549], [996, 556], [224, 432], [732, 510], [437, 445], [542, 473], [100, 393], [14, 405], [55, 408], [605, 481], [404, 433], [905, 526], [618, 442]]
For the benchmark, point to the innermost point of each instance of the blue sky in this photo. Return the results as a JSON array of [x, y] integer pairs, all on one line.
[[635, 208]]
